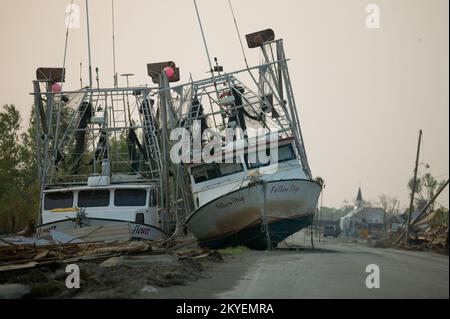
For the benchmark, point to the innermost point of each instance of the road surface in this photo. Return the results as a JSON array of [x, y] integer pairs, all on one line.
[[335, 269]]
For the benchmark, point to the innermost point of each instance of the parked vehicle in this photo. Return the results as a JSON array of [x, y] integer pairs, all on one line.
[[331, 231]]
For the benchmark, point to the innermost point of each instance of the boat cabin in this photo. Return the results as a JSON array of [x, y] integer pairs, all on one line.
[[212, 180], [132, 203]]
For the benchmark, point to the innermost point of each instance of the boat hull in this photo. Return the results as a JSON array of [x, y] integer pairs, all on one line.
[[136, 231], [236, 218]]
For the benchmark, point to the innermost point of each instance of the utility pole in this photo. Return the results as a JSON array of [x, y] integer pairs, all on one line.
[[411, 203]]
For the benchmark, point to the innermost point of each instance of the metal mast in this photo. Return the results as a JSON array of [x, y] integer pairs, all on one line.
[[114, 44], [89, 44]]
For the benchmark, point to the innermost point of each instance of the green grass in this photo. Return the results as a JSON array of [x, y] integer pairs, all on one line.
[[233, 250]]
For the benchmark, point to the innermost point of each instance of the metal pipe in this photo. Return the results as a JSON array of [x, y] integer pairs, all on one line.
[[165, 161]]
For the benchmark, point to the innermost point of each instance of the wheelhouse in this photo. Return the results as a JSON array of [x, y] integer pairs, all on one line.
[[87, 197], [212, 180], [246, 162]]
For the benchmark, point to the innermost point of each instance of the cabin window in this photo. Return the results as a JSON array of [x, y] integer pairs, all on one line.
[[212, 171], [130, 197], [254, 162], [95, 198], [230, 168], [205, 172], [285, 153], [58, 200]]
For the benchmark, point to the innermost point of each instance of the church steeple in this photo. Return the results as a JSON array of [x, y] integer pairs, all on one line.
[[359, 200]]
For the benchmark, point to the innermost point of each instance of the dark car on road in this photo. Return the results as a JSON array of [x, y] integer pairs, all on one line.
[[330, 231]]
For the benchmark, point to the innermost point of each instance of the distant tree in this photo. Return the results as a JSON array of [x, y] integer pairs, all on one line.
[[389, 204], [426, 187], [347, 206], [17, 187]]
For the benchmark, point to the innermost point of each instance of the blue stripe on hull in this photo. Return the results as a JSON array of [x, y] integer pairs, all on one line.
[[253, 238]]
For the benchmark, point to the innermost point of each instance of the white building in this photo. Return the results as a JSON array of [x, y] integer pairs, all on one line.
[[362, 219]]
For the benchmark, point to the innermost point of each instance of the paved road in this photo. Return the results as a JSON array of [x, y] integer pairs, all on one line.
[[334, 270]]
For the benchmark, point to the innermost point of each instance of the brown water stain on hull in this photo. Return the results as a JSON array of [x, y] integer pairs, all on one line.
[[284, 209], [242, 218], [235, 221]]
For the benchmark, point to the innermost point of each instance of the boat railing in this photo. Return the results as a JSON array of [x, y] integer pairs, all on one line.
[[72, 128]]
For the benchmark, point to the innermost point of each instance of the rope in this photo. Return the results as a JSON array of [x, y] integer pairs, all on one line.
[[320, 210], [66, 44], [203, 37], [238, 33]]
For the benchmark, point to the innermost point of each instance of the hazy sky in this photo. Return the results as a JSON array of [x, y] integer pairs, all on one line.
[[362, 93]]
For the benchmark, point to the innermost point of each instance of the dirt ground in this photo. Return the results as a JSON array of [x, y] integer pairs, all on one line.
[[131, 276]]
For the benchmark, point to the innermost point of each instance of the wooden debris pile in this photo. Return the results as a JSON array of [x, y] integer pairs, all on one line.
[[200, 254], [434, 237], [14, 256]]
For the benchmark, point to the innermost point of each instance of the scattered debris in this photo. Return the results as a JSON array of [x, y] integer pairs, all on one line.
[[431, 238], [149, 289], [200, 254], [29, 256], [62, 238], [112, 262], [20, 240], [120, 269]]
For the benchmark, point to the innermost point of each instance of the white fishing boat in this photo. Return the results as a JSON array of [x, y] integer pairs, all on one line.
[[245, 204], [248, 202], [68, 208], [100, 159]]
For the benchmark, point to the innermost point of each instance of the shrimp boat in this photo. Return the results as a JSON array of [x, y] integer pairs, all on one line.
[[102, 153], [247, 201], [99, 157]]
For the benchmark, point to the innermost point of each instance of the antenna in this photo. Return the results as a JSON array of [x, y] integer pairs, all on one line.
[[127, 75], [203, 36], [96, 77], [89, 44], [81, 75], [114, 44], [238, 33]]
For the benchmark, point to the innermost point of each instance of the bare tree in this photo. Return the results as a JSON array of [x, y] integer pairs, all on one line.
[[426, 187], [390, 204]]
